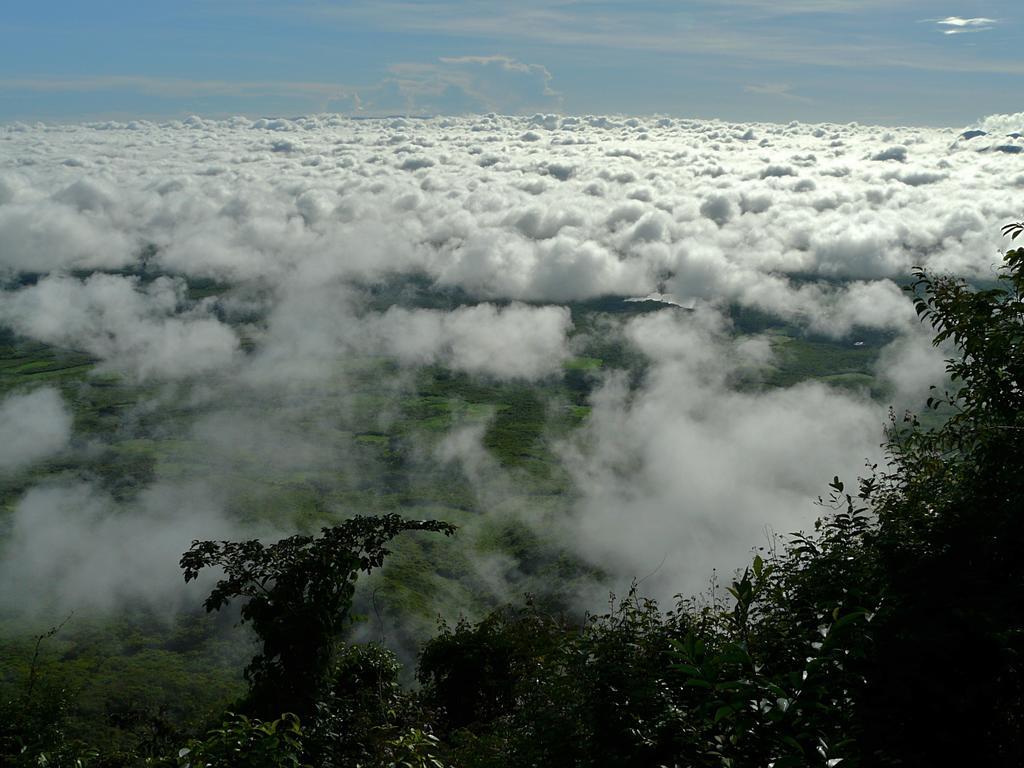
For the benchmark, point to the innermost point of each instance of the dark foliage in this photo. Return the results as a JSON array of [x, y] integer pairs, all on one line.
[[298, 597], [945, 681], [524, 688]]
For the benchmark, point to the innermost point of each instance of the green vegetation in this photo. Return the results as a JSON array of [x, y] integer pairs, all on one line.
[[842, 365], [888, 635]]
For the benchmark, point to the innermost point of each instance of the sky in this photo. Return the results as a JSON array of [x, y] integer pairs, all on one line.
[[887, 62]]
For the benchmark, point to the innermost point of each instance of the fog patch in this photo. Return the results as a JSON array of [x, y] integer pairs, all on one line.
[[33, 426], [684, 474], [132, 327], [71, 547]]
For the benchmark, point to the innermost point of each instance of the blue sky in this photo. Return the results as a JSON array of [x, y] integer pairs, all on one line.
[[874, 61]]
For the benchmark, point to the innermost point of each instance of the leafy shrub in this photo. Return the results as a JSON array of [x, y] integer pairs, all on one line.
[[243, 743]]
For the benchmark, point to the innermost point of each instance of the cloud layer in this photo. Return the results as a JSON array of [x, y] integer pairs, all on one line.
[[542, 209], [243, 270]]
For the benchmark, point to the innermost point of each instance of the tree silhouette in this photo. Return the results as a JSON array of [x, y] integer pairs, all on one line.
[[298, 597]]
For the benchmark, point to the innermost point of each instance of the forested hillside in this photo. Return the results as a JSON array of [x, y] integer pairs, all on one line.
[[889, 634]]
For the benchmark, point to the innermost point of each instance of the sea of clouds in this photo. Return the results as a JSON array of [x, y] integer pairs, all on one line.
[[298, 219]]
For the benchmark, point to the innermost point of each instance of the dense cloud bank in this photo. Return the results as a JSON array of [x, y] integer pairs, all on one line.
[[537, 209], [245, 261]]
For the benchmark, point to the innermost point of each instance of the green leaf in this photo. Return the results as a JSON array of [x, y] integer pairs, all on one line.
[[687, 669], [695, 682]]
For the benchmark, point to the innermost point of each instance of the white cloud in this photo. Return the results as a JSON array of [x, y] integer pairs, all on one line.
[[683, 475], [131, 326], [40, 236], [73, 547], [1010, 123], [956, 25], [514, 342], [32, 427], [911, 365], [956, 21], [339, 206], [313, 223]]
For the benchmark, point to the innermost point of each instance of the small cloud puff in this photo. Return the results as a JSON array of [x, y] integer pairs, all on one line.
[[955, 25], [513, 342], [73, 547], [33, 426], [134, 327]]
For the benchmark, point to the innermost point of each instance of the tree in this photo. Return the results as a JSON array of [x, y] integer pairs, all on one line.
[[946, 678], [298, 597], [525, 688]]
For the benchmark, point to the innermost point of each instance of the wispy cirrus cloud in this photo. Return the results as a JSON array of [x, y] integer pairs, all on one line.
[[857, 59], [776, 90], [955, 25], [167, 86], [449, 85], [734, 30]]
